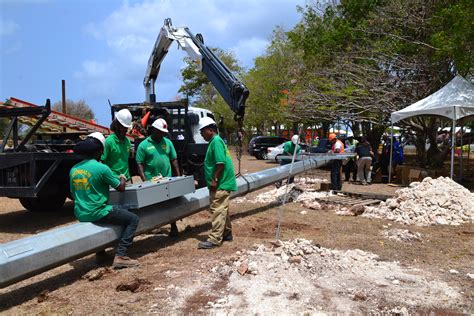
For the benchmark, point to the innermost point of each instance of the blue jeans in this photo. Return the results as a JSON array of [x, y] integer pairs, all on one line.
[[336, 174], [126, 219]]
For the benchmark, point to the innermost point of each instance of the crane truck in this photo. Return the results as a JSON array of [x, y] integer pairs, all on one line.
[[38, 175]]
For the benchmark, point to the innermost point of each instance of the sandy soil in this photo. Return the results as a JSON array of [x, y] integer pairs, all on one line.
[[429, 273]]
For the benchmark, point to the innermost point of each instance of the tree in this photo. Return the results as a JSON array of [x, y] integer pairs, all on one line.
[[78, 109], [366, 59], [272, 82], [202, 93]]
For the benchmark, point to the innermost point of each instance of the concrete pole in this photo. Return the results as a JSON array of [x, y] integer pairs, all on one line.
[[23, 258]]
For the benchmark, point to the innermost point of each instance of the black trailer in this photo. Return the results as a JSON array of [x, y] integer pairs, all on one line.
[[36, 173]]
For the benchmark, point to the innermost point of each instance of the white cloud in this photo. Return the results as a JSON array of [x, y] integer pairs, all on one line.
[[128, 42], [243, 26], [93, 68], [8, 27], [248, 49]]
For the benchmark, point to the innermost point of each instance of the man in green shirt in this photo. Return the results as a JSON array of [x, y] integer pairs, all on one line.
[[288, 150], [156, 155], [89, 183], [117, 146], [220, 179], [289, 146]]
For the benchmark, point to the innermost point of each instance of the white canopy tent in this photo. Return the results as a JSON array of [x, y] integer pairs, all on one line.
[[454, 101]]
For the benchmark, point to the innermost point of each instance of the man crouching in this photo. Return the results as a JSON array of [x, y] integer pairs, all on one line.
[[89, 183]]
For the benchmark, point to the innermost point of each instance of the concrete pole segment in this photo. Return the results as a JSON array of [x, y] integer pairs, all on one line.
[[32, 255]]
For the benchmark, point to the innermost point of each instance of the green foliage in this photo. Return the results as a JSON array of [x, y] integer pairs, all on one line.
[[202, 93], [453, 34], [366, 59], [273, 82]]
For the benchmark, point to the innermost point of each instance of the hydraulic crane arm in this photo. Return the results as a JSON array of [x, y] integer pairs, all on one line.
[[232, 90]]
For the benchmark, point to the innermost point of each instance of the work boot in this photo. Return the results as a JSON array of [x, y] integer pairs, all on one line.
[[228, 237], [102, 257], [206, 245], [173, 230], [124, 262]]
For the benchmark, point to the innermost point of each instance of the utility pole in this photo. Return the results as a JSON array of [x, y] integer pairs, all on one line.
[[63, 84]]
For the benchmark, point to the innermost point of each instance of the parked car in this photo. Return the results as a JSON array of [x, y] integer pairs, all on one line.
[[274, 152], [258, 145]]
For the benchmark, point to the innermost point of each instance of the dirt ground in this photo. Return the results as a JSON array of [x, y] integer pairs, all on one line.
[[175, 277]]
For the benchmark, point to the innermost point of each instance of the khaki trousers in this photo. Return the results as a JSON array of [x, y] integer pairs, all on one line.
[[363, 169], [219, 209]]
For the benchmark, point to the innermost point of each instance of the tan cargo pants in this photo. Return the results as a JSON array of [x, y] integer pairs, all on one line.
[[219, 209]]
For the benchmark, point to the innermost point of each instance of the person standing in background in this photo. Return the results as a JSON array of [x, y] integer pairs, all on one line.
[[337, 148], [351, 166], [364, 161], [156, 156], [117, 146], [316, 141], [220, 178], [384, 158], [397, 156]]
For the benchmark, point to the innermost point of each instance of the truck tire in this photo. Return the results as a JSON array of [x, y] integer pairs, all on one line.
[[43, 203]]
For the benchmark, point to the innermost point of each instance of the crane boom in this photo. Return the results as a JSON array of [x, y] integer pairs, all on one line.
[[232, 90]]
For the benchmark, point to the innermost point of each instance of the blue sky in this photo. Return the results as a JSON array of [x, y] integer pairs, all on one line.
[[101, 47]]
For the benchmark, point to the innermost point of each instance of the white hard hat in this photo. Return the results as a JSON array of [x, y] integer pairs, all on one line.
[[205, 122], [161, 125], [124, 117], [99, 136], [294, 139]]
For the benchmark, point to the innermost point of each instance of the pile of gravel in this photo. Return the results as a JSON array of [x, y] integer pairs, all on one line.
[[438, 201], [301, 277], [300, 191], [401, 235]]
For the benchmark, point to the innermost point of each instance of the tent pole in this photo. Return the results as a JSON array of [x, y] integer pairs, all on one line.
[[453, 145], [468, 165], [461, 158], [391, 153]]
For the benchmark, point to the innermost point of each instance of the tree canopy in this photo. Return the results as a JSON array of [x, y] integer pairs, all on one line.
[[201, 93], [79, 109], [362, 60], [354, 62]]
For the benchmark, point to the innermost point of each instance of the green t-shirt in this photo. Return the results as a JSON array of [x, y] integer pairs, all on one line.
[[289, 148], [156, 157], [89, 181], [116, 155], [217, 153]]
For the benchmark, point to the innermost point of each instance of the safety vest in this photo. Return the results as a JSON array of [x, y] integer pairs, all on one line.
[[342, 146]]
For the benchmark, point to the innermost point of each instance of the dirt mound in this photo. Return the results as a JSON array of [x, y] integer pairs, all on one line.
[[298, 276], [300, 191], [401, 235], [438, 201]]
